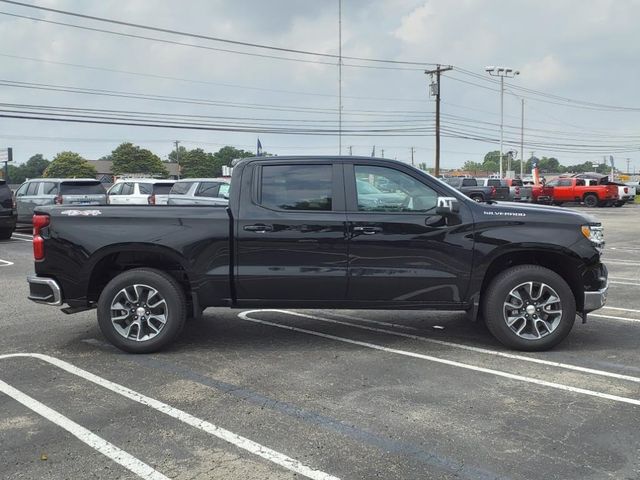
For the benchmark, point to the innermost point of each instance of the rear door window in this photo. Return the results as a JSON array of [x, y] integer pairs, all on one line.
[[208, 189], [296, 187], [564, 182], [81, 188], [116, 189], [469, 182], [145, 188], [32, 189], [127, 188]]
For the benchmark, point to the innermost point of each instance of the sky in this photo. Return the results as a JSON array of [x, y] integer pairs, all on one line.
[[578, 63]]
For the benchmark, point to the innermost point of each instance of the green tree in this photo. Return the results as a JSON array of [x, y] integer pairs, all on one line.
[[69, 165], [198, 163], [130, 158], [16, 174], [35, 166], [491, 166], [173, 158], [472, 167], [226, 155]]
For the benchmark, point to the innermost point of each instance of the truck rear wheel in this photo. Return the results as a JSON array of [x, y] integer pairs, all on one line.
[[142, 310], [590, 200], [529, 307], [477, 197], [5, 234]]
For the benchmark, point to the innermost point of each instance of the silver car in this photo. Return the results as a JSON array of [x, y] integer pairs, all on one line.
[[57, 191], [200, 191]]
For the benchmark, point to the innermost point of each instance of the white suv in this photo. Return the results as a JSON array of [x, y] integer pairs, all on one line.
[[139, 191]]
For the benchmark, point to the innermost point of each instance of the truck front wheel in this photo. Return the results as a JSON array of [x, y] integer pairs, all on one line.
[[529, 307], [142, 310]]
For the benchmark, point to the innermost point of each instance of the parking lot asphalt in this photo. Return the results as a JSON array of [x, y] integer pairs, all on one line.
[[270, 394]]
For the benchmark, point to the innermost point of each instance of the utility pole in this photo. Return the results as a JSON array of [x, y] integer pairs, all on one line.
[[501, 72], [350, 149], [628, 162], [339, 77], [435, 92], [177, 142], [522, 141], [412, 150], [382, 152]]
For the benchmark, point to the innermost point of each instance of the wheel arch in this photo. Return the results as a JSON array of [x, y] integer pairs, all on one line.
[[115, 259], [561, 261]]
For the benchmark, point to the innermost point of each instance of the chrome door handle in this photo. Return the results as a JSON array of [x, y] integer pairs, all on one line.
[[367, 230], [259, 228]]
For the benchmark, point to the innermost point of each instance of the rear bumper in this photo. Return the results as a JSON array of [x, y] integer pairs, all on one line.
[[595, 300], [44, 290]]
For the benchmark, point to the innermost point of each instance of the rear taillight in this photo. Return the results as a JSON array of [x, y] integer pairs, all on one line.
[[58, 200], [39, 222], [626, 190], [493, 191], [517, 190], [151, 199]]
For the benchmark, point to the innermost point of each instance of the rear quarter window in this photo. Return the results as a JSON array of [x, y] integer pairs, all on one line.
[[162, 188], [180, 188]]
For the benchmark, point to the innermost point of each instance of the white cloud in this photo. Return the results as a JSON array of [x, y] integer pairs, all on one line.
[[545, 72]]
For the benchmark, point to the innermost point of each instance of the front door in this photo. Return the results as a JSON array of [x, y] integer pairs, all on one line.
[[291, 235], [400, 251]]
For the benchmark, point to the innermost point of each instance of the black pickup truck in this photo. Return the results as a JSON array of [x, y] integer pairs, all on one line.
[[303, 232]]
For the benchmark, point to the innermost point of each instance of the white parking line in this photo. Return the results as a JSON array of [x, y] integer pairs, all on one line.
[[461, 346], [226, 435], [619, 261], [624, 283], [599, 315], [5, 263], [20, 239], [109, 450], [452, 363], [625, 278], [30, 237], [621, 309]]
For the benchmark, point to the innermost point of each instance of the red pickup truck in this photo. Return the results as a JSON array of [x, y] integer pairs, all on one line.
[[579, 190]]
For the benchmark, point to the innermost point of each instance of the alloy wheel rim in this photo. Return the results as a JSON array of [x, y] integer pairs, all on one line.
[[138, 312], [532, 310]]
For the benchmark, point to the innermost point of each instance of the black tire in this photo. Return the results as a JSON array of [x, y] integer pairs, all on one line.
[[498, 292], [618, 204], [5, 234], [477, 198], [590, 200], [175, 313]]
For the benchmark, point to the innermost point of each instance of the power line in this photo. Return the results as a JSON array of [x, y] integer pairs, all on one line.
[[215, 39], [205, 47]]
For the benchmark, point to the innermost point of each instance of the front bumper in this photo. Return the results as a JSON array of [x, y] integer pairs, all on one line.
[[44, 290], [595, 300]]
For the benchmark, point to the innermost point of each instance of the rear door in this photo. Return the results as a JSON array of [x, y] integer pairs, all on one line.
[[26, 197], [291, 234], [408, 254]]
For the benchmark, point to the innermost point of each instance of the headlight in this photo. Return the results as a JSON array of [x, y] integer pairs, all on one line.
[[595, 234]]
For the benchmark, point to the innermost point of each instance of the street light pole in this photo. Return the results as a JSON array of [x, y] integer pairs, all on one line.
[[501, 72]]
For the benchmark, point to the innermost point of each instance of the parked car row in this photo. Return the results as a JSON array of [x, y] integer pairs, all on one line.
[[86, 191], [593, 190]]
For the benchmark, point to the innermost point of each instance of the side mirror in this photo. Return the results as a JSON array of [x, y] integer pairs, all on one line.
[[447, 206]]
